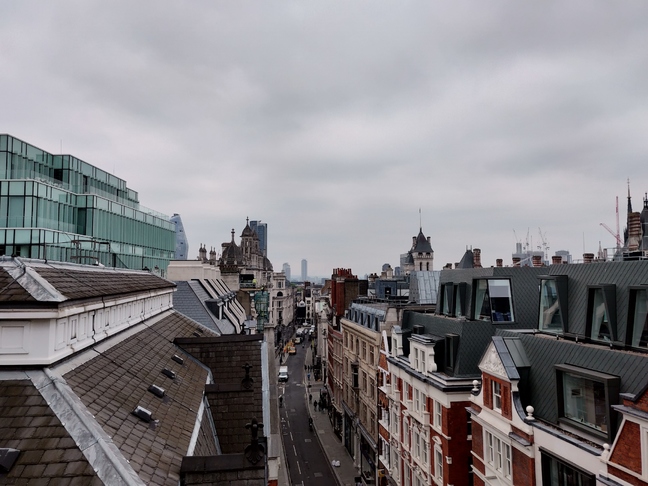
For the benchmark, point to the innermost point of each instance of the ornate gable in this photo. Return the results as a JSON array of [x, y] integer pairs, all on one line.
[[491, 363]]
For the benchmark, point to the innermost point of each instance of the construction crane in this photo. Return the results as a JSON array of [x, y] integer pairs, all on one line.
[[545, 243], [617, 236]]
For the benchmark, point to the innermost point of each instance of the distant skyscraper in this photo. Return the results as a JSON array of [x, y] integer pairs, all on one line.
[[304, 272], [286, 270], [182, 245], [261, 229]]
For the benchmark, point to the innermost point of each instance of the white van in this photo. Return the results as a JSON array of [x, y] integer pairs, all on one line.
[[283, 374]]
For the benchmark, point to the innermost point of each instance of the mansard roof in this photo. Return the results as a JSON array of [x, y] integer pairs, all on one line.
[[544, 352]]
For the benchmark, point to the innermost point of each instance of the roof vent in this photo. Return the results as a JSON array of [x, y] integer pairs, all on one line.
[[143, 414], [156, 390], [169, 373], [7, 459], [177, 359]]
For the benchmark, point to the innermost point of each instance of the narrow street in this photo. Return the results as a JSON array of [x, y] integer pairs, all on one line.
[[307, 462]]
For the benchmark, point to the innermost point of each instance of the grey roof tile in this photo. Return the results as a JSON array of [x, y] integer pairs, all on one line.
[[29, 425], [118, 382]]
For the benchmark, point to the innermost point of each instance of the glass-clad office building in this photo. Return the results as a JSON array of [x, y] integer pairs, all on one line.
[[57, 207]]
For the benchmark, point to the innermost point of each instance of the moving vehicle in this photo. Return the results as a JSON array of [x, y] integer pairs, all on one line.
[[283, 374], [298, 340]]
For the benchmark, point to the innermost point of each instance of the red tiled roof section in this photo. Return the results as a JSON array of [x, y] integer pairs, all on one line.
[[81, 284], [48, 454], [12, 291], [114, 383]]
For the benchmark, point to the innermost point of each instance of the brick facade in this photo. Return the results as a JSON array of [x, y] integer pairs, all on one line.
[[478, 447], [628, 478], [626, 451], [523, 468]]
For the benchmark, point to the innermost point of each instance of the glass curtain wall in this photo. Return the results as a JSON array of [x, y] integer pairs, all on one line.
[[59, 207]]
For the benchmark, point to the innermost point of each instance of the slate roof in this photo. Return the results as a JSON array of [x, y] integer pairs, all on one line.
[[108, 382], [27, 281], [474, 337], [12, 291], [422, 244], [48, 455], [115, 381], [524, 289], [622, 274], [543, 352], [88, 283], [187, 301]]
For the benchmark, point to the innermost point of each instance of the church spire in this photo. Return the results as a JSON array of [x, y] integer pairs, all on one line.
[[629, 199]]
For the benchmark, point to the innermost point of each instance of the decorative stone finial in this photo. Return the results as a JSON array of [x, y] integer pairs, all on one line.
[[475, 388], [247, 381], [255, 451], [606, 452], [529, 411]]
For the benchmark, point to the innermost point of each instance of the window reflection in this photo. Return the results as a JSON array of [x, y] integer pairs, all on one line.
[[493, 301], [601, 330], [550, 315]]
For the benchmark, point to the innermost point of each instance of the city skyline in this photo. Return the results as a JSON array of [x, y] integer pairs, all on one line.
[[515, 120]]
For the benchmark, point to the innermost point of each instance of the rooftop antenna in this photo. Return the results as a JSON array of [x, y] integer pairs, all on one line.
[[420, 220]]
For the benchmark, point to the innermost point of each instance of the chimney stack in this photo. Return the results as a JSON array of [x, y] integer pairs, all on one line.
[[516, 261], [556, 260], [499, 262], [588, 257], [537, 260], [477, 258]]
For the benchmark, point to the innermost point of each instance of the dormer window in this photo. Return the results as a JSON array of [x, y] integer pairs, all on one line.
[[553, 304], [638, 318], [446, 295], [452, 299], [601, 313], [492, 300], [585, 398]]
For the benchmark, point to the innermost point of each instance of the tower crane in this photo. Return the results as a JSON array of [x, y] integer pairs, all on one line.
[[617, 236]]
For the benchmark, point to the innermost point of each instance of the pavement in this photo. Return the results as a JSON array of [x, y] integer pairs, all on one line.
[[331, 445]]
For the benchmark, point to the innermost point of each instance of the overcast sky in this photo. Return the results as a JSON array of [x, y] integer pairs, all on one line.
[[334, 122]]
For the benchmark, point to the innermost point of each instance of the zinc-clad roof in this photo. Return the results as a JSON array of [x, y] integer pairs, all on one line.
[[621, 274], [543, 352], [474, 337], [48, 455], [112, 384]]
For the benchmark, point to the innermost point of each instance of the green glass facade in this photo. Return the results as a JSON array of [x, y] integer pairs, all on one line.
[[58, 207]]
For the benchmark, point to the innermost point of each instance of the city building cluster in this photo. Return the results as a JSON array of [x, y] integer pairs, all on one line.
[[124, 360]]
